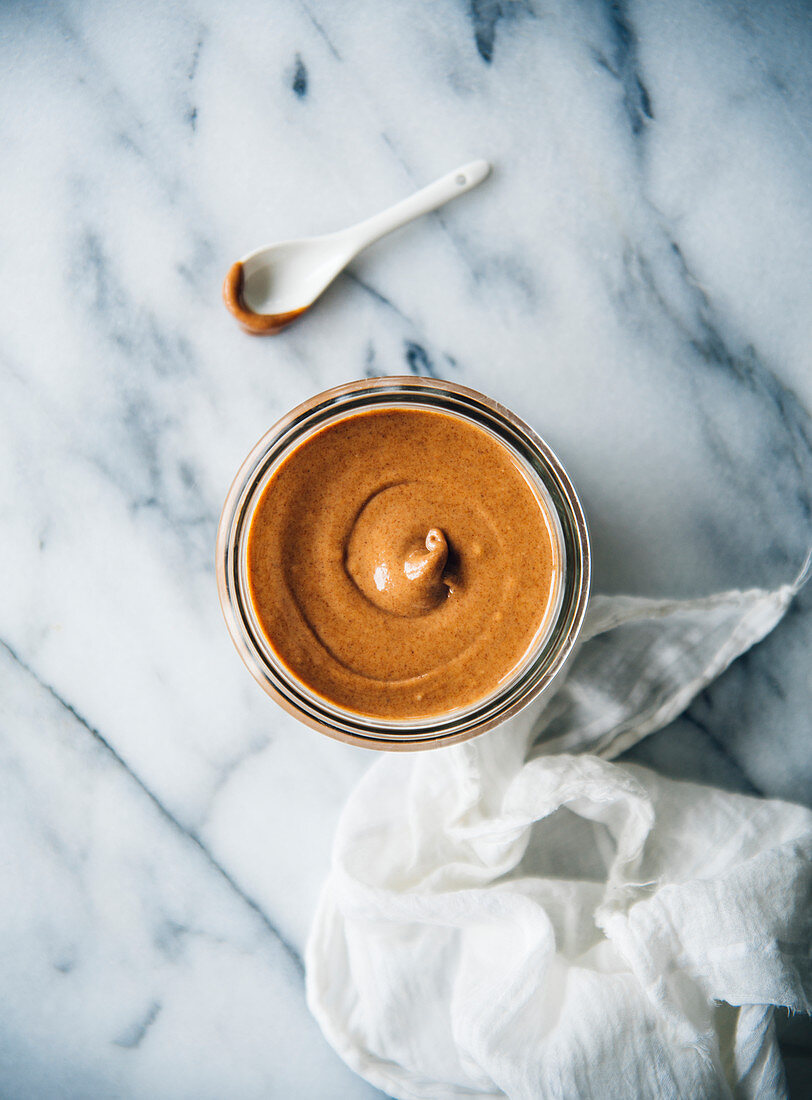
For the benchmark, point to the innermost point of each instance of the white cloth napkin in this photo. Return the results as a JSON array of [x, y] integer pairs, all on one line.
[[505, 918]]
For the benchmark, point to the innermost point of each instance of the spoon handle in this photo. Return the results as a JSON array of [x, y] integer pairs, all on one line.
[[421, 202]]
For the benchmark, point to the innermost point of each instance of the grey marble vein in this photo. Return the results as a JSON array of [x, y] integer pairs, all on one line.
[[291, 951]]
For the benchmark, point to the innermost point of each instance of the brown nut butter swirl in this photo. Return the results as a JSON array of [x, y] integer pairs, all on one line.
[[402, 575], [400, 563]]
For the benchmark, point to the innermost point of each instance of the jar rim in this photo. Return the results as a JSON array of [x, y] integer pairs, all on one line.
[[557, 633]]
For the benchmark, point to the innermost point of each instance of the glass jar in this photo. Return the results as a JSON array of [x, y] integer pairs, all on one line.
[[565, 613]]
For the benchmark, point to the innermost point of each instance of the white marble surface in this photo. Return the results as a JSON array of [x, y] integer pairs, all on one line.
[[634, 280]]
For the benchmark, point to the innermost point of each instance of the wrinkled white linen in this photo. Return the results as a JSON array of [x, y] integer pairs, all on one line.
[[507, 918]]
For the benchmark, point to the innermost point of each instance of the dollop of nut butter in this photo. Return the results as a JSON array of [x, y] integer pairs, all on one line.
[[400, 563], [397, 567], [258, 324]]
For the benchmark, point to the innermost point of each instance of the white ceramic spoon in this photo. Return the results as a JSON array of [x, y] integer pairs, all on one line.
[[269, 288]]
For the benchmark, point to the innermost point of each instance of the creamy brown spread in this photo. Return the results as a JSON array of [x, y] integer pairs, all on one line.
[[258, 324], [400, 563]]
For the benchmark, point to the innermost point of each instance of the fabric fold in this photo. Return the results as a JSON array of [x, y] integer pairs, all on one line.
[[518, 916]]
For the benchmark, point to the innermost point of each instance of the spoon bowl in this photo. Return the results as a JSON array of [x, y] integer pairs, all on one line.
[[291, 275]]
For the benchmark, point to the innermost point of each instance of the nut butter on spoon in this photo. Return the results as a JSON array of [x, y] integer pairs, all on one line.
[[269, 288]]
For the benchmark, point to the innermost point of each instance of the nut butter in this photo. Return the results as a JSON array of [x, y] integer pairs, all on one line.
[[402, 563]]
